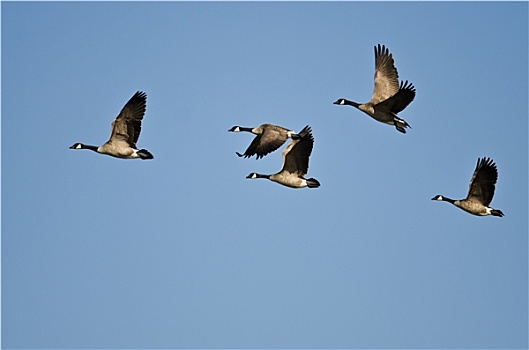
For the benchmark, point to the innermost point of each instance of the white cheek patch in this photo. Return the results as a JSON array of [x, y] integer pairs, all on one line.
[[342, 102], [237, 129], [78, 146]]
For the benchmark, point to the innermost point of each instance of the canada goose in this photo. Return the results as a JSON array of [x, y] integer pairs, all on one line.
[[269, 138], [389, 98], [125, 132], [295, 163], [480, 191]]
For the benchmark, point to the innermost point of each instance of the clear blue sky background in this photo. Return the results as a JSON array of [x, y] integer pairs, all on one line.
[[184, 252]]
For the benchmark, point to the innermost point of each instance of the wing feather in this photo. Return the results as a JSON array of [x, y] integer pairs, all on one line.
[[127, 125], [296, 154], [270, 140], [386, 75], [483, 181], [400, 100]]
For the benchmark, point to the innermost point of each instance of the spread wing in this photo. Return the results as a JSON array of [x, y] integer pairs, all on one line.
[[270, 140], [400, 100], [483, 182], [296, 154], [386, 76], [127, 125]]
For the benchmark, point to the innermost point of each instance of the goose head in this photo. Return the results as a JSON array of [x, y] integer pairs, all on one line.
[[257, 176], [77, 146], [340, 101]]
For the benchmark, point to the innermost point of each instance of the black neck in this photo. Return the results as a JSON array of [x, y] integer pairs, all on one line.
[[449, 200], [343, 101], [90, 147], [351, 103]]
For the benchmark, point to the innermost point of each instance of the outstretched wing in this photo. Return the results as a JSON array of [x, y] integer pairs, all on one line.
[[296, 154], [400, 100], [483, 182], [270, 140], [386, 76], [127, 125]]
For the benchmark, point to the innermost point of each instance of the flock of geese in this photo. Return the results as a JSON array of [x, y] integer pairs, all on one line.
[[388, 99]]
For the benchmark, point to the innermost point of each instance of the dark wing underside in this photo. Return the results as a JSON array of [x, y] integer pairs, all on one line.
[[270, 140], [400, 100], [127, 125], [296, 154], [482, 184]]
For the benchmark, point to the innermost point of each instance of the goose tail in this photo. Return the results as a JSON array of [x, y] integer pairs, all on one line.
[[496, 212], [144, 154], [313, 183]]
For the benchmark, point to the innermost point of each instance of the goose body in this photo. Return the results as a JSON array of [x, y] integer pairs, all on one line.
[[389, 98], [125, 132], [480, 191], [295, 163], [268, 138]]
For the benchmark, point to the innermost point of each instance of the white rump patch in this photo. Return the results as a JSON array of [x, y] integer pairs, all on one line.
[[135, 154]]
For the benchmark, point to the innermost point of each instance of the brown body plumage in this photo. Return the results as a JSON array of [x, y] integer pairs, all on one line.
[[268, 138], [295, 163], [480, 190], [126, 130], [389, 98]]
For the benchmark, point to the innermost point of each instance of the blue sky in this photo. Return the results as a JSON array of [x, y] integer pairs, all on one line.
[[184, 252]]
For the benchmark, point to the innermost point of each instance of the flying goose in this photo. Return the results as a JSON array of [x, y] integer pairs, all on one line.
[[125, 132], [269, 138], [389, 98], [295, 163], [480, 191]]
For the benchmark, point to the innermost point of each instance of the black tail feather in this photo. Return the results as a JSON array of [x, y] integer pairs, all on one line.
[[496, 212], [313, 183], [144, 154]]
